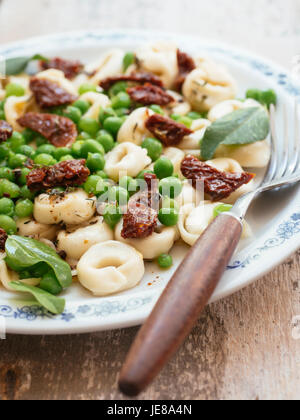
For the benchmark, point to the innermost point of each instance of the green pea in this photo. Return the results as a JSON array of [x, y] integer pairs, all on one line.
[[254, 94], [176, 117], [113, 125], [9, 189], [89, 125], [24, 208], [76, 148], [7, 173], [22, 178], [95, 161], [153, 147], [50, 284], [58, 110], [66, 158], [4, 151], [14, 89], [106, 140], [185, 121], [121, 100], [168, 217], [60, 152], [222, 208], [157, 109], [128, 60], [102, 174], [45, 160], [91, 146], [122, 112], [169, 203], [16, 140], [129, 184], [47, 149], [163, 168], [73, 113], [87, 87], [106, 113], [269, 98], [8, 224], [117, 88], [165, 261], [26, 193], [142, 173], [118, 194], [95, 185], [83, 136], [170, 187], [26, 151], [2, 115], [194, 115], [40, 140], [2, 105], [28, 135], [112, 215], [16, 161], [7, 207], [82, 105]]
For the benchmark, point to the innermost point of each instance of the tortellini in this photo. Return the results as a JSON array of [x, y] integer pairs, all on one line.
[[97, 101], [14, 108], [161, 59], [179, 107], [227, 107], [134, 128], [189, 195], [109, 65], [32, 229], [126, 159], [58, 77], [73, 208], [255, 155], [193, 221], [110, 267], [160, 242], [208, 85], [76, 241], [191, 143], [232, 166]]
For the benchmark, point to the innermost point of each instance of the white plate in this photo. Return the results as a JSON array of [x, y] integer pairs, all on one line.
[[275, 219]]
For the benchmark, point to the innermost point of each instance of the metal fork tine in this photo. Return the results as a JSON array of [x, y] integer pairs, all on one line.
[[274, 147], [287, 146]]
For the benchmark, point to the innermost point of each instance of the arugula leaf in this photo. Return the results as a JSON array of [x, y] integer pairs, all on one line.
[[52, 303], [244, 126], [23, 253], [18, 65]]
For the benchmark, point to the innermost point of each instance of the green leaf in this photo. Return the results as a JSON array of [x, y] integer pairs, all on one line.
[[23, 253], [18, 65], [52, 303], [244, 126]]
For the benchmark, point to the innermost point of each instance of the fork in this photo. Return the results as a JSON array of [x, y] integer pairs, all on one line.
[[194, 282]]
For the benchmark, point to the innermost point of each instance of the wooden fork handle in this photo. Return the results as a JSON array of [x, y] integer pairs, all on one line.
[[180, 305]]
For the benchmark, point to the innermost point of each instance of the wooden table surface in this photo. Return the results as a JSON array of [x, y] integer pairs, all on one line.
[[242, 347]]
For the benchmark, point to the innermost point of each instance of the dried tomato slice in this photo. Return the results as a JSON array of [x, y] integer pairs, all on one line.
[[168, 131], [135, 77], [149, 94], [3, 239], [48, 94], [141, 218], [186, 65], [71, 68], [217, 184], [6, 131], [60, 131], [65, 174]]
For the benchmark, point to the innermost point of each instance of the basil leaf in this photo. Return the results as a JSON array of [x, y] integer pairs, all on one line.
[[18, 65], [23, 253], [244, 126], [52, 303]]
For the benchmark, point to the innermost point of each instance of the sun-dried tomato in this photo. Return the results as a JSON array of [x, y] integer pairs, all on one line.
[[135, 77], [141, 218], [71, 68], [3, 239], [6, 131], [168, 131], [48, 94], [149, 94], [60, 131], [186, 65], [64, 174], [217, 184]]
